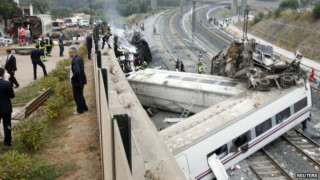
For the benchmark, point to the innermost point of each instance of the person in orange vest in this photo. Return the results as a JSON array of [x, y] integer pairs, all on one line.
[[312, 78], [22, 36]]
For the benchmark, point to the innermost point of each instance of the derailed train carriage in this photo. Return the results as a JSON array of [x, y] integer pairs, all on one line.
[[258, 64]]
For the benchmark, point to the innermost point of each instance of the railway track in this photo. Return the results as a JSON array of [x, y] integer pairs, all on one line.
[[189, 52], [304, 145], [204, 24], [265, 167]]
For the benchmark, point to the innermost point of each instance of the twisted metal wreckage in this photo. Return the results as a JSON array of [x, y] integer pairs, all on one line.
[[259, 65]]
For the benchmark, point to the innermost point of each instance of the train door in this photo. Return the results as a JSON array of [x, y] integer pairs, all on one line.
[[183, 163]]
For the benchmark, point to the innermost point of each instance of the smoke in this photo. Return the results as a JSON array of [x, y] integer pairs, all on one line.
[[112, 11], [123, 39]]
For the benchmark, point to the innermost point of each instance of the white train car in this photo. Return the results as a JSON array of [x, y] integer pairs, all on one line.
[[173, 90], [236, 128]]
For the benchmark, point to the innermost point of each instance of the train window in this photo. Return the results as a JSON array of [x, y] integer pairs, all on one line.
[[220, 152], [281, 116], [242, 139], [300, 104], [263, 127]]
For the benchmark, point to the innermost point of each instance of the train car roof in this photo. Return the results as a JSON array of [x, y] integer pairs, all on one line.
[[182, 80], [203, 124]]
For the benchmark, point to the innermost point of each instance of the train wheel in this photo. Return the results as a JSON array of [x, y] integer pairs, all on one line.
[[264, 83], [287, 81]]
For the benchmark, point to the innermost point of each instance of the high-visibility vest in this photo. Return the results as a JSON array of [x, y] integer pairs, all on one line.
[[22, 32], [145, 63], [41, 43], [200, 69], [47, 41]]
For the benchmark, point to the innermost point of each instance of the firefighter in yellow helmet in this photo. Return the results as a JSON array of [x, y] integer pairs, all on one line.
[[41, 44]]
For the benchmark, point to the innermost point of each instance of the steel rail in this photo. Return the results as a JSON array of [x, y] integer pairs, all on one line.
[[274, 163]]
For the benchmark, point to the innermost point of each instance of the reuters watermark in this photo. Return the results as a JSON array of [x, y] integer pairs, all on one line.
[[307, 175]]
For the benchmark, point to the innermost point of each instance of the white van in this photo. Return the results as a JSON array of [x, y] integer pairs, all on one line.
[[84, 23]]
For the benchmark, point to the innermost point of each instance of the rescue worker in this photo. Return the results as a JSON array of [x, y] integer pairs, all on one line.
[[144, 63], [312, 78], [22, 36], [179, 66], [41, 44], [127, 67], [48, 44], [105, 39], [200, 68]]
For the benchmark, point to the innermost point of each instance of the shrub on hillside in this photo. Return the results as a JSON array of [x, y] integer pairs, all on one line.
[[82, 51], [14, 165], [49, 82], [316, 11], [31, 132], [64, 63], [289, 4], [64, 90], [277, 13], [54, 107], [61, 73]]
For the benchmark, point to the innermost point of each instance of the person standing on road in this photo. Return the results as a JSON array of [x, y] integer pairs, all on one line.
[[48, 44], [6, 93], [78, 80], [41, 44], [36, 60], [61, 47], [28, 36], [11, 68], [22, 36], [311, 77], [89, 44]]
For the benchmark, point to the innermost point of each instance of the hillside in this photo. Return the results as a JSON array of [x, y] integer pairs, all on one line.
[[292, 31]]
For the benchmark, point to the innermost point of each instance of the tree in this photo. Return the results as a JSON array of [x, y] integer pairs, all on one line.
[[289, 4], [60, 12], [8, 9], [41, 6], [316, 11]]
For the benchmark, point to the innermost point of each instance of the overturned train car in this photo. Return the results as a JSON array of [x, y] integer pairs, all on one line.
[[258, 64]]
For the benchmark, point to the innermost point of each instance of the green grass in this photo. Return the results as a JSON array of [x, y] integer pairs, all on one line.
[[27, 93], [43, 170]]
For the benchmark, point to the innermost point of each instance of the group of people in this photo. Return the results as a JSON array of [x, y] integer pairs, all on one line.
[[77, 77], [24, 36]]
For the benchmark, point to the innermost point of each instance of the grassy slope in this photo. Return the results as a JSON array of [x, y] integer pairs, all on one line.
[[283, 32]]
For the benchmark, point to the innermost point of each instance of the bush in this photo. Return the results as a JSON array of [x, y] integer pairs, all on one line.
[[63, 63], [289, 4], [61, 73], [260, 15], [30, 132], [277, 13], [316, 11], [54, 107], [83, 51], [64, 90], [14, 165], [49, 82]]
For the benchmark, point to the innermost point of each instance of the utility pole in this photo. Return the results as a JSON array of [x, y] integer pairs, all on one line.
[[90, 16], [181, 4], [193, 18]]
